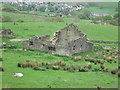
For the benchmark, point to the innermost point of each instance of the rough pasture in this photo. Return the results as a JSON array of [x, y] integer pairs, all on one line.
[[59, 78], [50, 67]]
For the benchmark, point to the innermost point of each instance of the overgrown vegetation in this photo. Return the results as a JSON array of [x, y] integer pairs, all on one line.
[[8, 8], [107, 19], [6, 19]]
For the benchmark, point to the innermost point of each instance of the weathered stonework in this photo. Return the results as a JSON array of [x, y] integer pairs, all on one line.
[[6, 33], [67, 41]]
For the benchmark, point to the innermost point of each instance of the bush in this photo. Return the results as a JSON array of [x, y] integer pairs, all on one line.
[[42, 8], [36, 68], [57, 19], [114, 22], [9, 9], [105, 18], [6, 19], [82, 16], [1, 68], [20, 20]]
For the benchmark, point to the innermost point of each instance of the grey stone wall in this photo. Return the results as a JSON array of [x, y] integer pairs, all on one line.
[[37, 43], [67, 34]]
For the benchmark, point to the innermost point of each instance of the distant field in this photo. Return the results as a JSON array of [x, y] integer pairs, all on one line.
[[37, 12], [108, 7], [24, 17], [98, 10], [111, 5]]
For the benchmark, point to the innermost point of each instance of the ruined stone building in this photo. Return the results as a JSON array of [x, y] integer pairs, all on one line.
[[6, 33], [67, 41]]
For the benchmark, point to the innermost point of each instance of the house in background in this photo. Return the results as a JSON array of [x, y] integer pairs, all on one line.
[[100, 14]]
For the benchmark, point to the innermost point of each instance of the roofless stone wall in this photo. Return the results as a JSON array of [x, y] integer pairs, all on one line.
[[68, 41]]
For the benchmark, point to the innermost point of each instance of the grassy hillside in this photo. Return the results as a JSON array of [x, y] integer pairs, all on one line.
[[34, 25], [100, 7], [109, 4], [104, 10], [24, 17], [96, 32]]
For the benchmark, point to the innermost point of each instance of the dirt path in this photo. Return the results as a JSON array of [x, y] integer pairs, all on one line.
[[16, 40]]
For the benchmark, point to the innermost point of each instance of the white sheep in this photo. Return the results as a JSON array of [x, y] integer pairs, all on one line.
[[17, 74]]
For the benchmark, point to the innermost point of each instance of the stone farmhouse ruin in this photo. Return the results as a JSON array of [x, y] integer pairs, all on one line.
[[6, 33], [67, 41]]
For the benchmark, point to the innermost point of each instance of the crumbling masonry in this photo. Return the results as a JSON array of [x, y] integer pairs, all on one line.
[[67, 41]]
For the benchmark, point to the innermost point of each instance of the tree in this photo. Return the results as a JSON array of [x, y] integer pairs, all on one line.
[[52, 9], [65, 12], [116, 9], [87, 13], [22, 8], [82, 16], [114, 22], [108, 17], [116, 15], [42, 8]]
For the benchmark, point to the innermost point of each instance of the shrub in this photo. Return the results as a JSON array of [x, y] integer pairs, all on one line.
[[88, 66], [118, 74], [1, 69], [9, 9], [57, 19], [36, 68], [20, 20], [6, 19], [42, 8], [82, 16], [19, 64], [114, 70], [114, 22]]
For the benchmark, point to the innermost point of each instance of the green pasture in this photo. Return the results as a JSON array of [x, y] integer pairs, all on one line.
[[25, 17], [37, 12], [98, 10], [95, 32], [55, 79]]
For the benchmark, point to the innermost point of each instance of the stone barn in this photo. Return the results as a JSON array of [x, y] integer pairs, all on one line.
[[6, 33], [68, 41]]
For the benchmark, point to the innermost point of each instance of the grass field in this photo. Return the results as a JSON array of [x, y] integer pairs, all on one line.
[[95, 32], [55, 78], [38, 12], [17, 16]]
